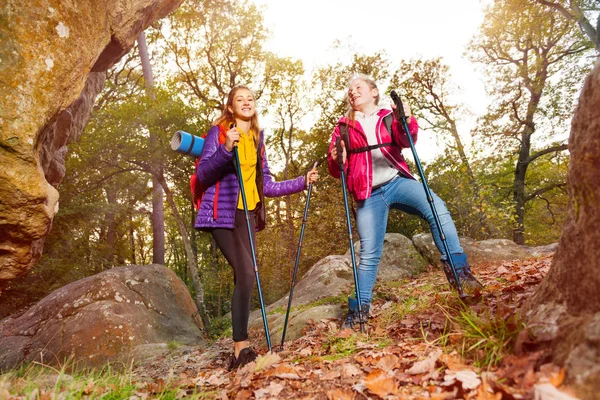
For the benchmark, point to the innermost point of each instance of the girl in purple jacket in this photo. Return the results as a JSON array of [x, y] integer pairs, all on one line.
[[379, 179], [221, 210]]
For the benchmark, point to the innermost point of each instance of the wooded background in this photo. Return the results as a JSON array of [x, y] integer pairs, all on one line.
[[509, 182]]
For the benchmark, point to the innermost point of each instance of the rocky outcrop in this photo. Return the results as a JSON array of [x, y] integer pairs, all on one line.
[[103, 318], [400, 258], [320, 293], [485, 251], [53, 55], [330, 279]]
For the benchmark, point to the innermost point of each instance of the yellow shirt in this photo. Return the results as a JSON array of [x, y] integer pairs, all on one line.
[[248, 159]]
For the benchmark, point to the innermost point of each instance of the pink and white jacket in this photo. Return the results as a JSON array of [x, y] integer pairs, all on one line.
[[358, 167]]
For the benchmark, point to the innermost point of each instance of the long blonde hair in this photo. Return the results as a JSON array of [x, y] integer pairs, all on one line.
[[350, 113], [228, 118]]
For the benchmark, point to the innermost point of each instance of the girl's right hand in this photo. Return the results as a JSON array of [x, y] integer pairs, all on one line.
[[334, 152], [232, 137]]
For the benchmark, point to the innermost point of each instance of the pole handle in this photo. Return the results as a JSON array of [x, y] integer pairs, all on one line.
[[340, 156], [398, 102]]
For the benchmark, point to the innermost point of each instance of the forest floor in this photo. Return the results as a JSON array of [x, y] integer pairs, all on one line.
[[422, 343]]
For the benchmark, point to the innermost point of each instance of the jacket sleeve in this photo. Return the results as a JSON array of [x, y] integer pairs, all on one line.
[[214, 160], [275, 189], [400, 135], [332, 164]]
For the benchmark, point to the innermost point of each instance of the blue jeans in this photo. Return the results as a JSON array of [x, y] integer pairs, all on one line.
[[371, 221]]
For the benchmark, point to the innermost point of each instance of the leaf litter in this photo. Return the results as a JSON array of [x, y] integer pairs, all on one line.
[[422, 343], [436, 348]]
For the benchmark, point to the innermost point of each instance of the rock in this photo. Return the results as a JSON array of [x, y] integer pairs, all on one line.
[[400, 258], [583, 362], [298, 320], [486, 251], [330, 278], [50, 53], [543, 322], [102, 318]]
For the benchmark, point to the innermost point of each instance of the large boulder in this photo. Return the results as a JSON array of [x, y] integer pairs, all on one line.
[[102, 318], [331, 278], [53, 58], [485, 251], [400, 259]]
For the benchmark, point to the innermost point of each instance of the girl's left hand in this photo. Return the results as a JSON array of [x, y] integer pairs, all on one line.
[[312, 176], [406, 108]]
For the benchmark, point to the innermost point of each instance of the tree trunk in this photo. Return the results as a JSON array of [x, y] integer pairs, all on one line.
[[132, 239], [158, 213], [565, 310], [191, 258], [111, 223], [519, 188]]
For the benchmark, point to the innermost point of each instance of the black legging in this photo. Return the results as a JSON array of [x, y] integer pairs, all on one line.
[[235, 246]]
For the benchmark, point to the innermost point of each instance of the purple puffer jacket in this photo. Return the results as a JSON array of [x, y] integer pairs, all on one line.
[[217, 172]]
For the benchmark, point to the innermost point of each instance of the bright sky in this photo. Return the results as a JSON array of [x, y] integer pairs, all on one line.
[[307, 30]]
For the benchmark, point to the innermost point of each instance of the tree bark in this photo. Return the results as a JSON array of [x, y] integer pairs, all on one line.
[[158, 212], [111, 222], [565, 310], [191, 258]]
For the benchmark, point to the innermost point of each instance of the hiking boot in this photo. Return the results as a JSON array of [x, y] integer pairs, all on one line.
[[247, 355], [352, 320], [469, 283]]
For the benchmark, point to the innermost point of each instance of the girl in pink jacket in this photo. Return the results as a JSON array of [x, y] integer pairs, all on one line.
[[379, 179]]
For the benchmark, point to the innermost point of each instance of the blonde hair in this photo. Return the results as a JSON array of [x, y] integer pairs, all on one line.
[[228, 118], [366, 79]]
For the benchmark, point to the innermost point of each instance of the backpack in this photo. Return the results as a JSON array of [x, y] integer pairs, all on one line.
[[196, 187]]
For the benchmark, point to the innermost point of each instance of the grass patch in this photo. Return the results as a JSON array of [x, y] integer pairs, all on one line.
[[483, 338], [174, 345], [40, 381], [339, 347], [37, 381], [219, 327]]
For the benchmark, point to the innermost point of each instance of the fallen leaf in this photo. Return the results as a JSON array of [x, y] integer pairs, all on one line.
[[283, 371], [271, 391], [379, 383], [243, 394], [547, 391], [340, 394], [218, 379], [157, 386], [349, 370], [452, 361], [305, 352], [331, 375], [468, 379], [265, 361], [387, 362], [485, 391], [421, 367], [557, 378]]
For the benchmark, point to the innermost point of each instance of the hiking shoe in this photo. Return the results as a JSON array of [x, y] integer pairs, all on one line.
[[247, 355], [469, 283], [352, 320]]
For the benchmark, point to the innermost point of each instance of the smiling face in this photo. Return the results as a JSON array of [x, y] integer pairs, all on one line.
[[242, 106], [362, 96]]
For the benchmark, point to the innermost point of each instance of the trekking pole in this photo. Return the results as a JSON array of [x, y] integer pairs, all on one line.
[[260, 296], [403, 117], [287, 313], [340, 160]]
